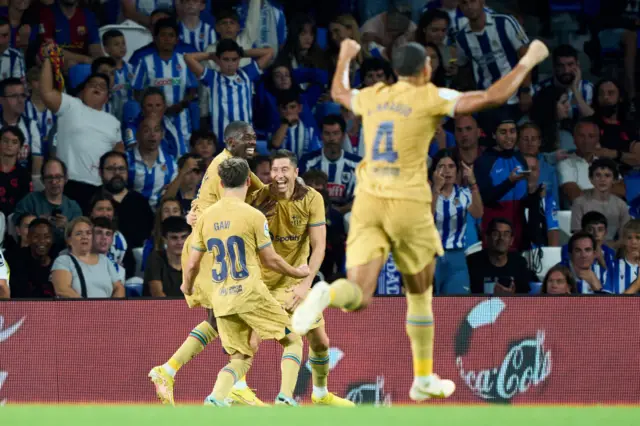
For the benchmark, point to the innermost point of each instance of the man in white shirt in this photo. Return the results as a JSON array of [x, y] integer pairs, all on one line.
[[84, 133], [573, 173]]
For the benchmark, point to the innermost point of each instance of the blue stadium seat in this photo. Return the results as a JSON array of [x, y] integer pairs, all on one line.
[[327, 108], [194, 113], [78, 74], [536, 288], [262, 147], [565, 6], [130, 111], [321, 37]]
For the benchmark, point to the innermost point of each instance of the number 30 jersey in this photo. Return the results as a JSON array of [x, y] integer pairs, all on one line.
[[233, 232], [399, 122]]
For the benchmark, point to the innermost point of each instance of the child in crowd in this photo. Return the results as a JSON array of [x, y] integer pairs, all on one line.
[[116, 47]]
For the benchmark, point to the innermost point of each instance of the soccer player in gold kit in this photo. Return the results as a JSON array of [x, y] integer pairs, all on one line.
[[296, 216], [392, 210]]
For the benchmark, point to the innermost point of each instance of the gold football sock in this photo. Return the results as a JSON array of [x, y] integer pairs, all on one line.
[[319, 367], [198, 339], [420, 330], [345, 294], [290, 366], [229, 375]]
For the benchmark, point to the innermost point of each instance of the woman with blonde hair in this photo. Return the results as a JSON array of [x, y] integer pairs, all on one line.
[[627, 270]]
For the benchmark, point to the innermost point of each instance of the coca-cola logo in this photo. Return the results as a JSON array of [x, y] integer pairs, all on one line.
[[526, 362]]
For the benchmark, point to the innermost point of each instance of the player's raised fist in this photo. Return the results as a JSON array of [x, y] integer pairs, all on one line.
[[349, 48], [536, 53]]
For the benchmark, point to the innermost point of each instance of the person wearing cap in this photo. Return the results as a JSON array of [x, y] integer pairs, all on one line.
[[502, 177]]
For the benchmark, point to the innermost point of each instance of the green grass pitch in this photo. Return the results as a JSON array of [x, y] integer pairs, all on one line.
[[147, 415]]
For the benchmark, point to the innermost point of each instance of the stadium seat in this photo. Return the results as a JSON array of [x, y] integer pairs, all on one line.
[[536, 288], [137, 255], [321, 38], [262, 147], [135, 35], [78, 74], [564, 221], [542, 259], [130, 111]]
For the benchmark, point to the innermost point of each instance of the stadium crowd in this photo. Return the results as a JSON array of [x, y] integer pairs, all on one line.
[[97, 175]]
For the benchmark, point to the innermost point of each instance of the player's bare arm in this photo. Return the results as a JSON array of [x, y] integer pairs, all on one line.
[[190, 271], [272, 260], [340, 87], [318, 242]]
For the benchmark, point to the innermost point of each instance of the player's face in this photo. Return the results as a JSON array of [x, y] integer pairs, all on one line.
[[332, 138], [466, 132], [447, 168], [103, 208], [115, 174], [40, 240], [153, 104], [282, 78], [81, 238], [194, 173], [150, 134], [204, 148], [436, 32], [597, 230], [586, 138], [23, 229], [14, 99], [565, 69], [102, 240], [583, 254], [557, 283], [472, 9], [245, 147], [283, 175], [263, 171], [501, 238], [117, 47], [602, 179], [306, 37], [175, 242], [5, 36], [529, 141], [229, 63], [291, 111], [506, 136], [534, 166], [228, 28], [170, 209], [632, 244], [95, 93], [54, 179], [608, 94], [373, 77], [166, 40], [9, 145]]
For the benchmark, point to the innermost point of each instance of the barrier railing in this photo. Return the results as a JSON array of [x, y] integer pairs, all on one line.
[[518, 350]]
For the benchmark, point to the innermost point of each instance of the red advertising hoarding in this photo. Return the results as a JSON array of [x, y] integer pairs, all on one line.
[[517, 350]]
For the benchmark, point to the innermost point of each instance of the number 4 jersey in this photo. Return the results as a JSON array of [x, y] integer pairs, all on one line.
[[233, 232], [399, 121]]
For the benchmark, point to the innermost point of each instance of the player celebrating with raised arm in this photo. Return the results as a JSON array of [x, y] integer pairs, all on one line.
[[392, 208], [296, 218], [235, 234]]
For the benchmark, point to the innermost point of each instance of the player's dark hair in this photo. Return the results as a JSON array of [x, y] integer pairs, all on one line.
[[285, 153], [175, 224], [227, 13], [202, 134], [53, 160], [440, 155], [15, 130], [102, 60], [593, 218], [581, 235], [188, 156], [227, 45], [285, 97], [332, 119], [493, 225], [40, 221], [103, 222], [233, 172], [409, 60], [604, 163], [163, 23], [110, 154], [110, 35], [426, 19], [564, 51], [8, 82]]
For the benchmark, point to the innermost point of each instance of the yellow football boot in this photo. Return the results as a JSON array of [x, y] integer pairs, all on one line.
[[163, 383], [246, 396], [332, 400]]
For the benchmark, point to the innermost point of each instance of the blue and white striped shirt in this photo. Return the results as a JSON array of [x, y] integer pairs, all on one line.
[[44, 120], [11, 64], [342, 173], [273, 24], [451, 218], [121, 91], [200, 37], [456, 18], [604, 276], [586, 89], [625, 274], [230, 97], [151, 181], [300, 140], [173, 141], [493, 51], [173, 77], [32, 144], [118, 249]]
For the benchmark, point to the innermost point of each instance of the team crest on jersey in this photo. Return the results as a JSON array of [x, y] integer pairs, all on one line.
[[296, 220], [238, 80], [164, 167], [346, 177], [456, 202], [82, 30], [266, 230], [201, 36]]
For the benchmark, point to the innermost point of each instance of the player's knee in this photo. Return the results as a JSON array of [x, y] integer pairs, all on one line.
[[254, 341], [320, 344]]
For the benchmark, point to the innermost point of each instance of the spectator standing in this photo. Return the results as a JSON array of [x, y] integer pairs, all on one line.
[[79, 273], [151, 168], [573, 173], [51, 203], [163, 274], [84, 133], [11, 59], [193, 30], [558, 282], [136, 217], [228, 28], [495, 269], [31, 265], [115, 46], [293, 135], [272, 24], [582, 256], [15, 181], [184, 188], [36, 110], [602, 173], [450, 206], [340, 166], [467, 134], [24, 25], [541, 228]]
